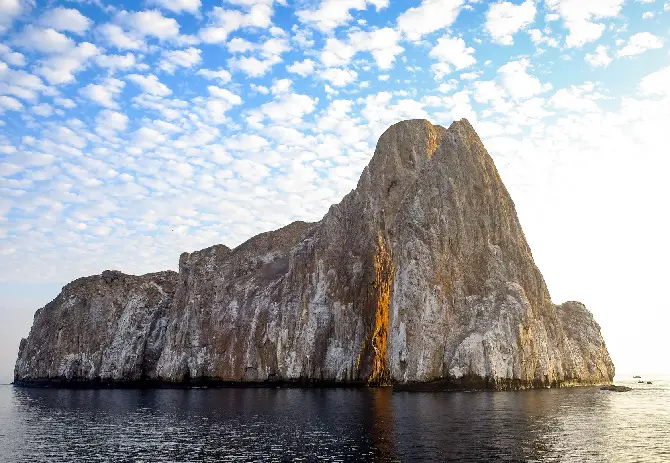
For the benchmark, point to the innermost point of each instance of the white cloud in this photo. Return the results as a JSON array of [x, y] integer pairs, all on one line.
[[337, 52], [451, 51], [538, 38], [600, 58], [334, 13], [66, 19], [11, 57], [579, 17], [381, 43], [339, 77], [239, 45], [281, 86], [65, 103], [115, 62], [105, 93], [172, 59], [247, 143], [505, 19], [302, 68], [150, 23], [150, 84], [640, 43], [43, 110], [656, 83], [579, 99], [290, 107], [220, 101], [45, 40], [221, 75], [518, 83], [20, 84], [428, 17], [177, 6], [115, 36], [223, 22], [9, 103], [109, 123], [252, 66], [61, 69], [10, 10]]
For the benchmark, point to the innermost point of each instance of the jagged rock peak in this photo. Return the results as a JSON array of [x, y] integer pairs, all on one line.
[[420, 276]]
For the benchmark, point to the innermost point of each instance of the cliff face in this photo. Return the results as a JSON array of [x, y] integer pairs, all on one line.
[[421, 275]]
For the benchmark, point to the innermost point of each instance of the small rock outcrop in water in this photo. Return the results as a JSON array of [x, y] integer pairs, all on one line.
[[614, 388], [421, 275]]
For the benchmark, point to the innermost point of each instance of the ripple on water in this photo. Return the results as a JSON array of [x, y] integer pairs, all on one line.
[[581, 424]]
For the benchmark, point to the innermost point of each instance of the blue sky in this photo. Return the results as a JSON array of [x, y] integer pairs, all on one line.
[[133, 131]]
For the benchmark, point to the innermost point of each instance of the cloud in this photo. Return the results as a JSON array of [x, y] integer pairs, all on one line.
[[215, 107], [109, 123], [149, 84], [178, 6], [11, 57], [116, 62], [381, 43], [331, 14], [104, 93], [20, 84], [430, 16], [656, 83], [223, 22], [505, 19], [640, 43], [65, 103], [339, 77], [115, 36], [600, 58], [252, 66], [66, 19], [150, 23], [302, 68], [290, 107], [44, 40], [451, 51], [10, 10], [579, 18], [579, 99], [9, 103], [518, 83], [222, 75], [43, 110], [61, 69], [173, 59]]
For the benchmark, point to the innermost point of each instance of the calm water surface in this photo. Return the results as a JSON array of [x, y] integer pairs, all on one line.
[[582, 424]]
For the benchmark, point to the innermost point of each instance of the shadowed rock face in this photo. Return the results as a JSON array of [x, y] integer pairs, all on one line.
[[420, 277]]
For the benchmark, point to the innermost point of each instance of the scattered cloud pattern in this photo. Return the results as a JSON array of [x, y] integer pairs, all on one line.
[[128, 136]]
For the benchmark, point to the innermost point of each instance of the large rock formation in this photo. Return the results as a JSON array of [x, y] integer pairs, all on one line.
[[420, 276]]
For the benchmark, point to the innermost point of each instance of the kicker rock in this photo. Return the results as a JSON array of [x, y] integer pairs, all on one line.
[[420, 276]]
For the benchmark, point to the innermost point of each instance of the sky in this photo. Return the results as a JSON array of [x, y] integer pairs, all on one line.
[[133, 131]]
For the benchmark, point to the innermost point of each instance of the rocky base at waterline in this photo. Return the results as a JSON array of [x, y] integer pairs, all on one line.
[[420, 277], [614, 388]]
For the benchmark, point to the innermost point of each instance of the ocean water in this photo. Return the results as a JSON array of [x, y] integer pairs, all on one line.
[[576, 424]]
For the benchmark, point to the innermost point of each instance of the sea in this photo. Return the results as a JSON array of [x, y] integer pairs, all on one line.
[[336, 425]]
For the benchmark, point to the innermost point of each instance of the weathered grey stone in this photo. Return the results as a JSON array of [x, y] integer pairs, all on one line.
[[421, 275]]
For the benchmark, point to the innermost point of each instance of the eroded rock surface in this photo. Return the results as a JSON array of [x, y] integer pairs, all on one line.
[[421, 275]]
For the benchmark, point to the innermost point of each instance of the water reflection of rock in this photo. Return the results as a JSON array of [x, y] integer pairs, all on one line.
[[381, 423]]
